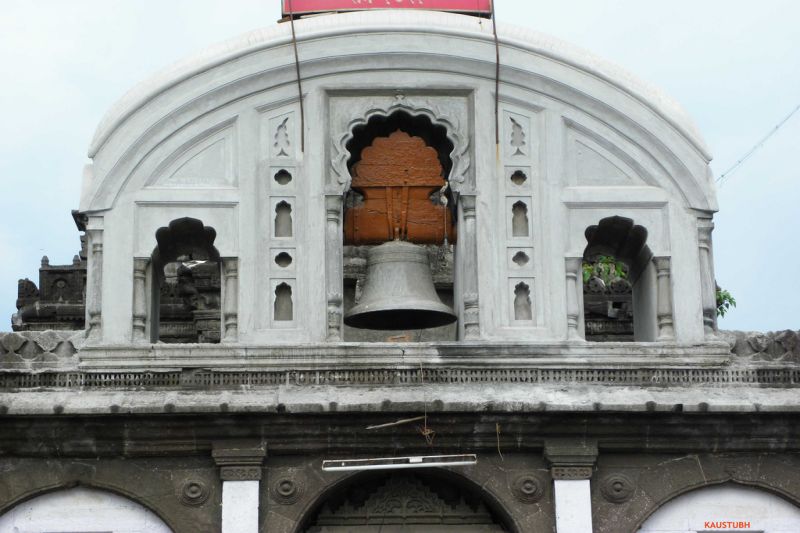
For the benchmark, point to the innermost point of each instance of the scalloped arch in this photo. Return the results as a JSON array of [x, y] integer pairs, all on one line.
[[459, 156]]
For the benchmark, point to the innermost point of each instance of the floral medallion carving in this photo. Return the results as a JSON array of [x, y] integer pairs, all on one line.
[[617, 488], [194, 492], [286, 491], [528, 487]]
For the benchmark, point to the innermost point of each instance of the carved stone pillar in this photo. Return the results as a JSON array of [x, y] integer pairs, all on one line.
[[140, 299], [240, 470], [333, 265], [666, 331], [573, 272], [469, 268], [708, 285], [230, 306], [571, 465], [94, 300]]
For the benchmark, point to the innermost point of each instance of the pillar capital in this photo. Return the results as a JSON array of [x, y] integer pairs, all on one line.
[[239, 460], [571, 459]]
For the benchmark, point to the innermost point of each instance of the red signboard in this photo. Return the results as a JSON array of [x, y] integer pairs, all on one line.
[[318, 6]]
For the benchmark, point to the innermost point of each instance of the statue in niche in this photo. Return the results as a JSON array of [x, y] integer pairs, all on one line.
[[519, 220], [283, 220], [283, 308], [522, 302]]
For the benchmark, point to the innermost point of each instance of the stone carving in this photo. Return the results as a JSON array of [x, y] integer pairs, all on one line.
[[571, 472], [194, 493], [377, 375], [522, 302], [439, 113], [59, 305], [517, 137], [286, 491], [283, 219], [282, 143], [617, 488], [519, 178], [240, 473], [403, 499], [528, 487], [283, 308], [782, 346], [519, 220], [37, 349]]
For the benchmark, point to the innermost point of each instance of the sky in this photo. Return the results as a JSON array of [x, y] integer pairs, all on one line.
[[733, 64]]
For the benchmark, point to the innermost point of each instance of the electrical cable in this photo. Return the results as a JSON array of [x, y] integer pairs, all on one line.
[[299, 83], [496, 82], [758, 145]]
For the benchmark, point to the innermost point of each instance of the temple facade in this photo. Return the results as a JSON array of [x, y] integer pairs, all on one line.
[[398, 286]]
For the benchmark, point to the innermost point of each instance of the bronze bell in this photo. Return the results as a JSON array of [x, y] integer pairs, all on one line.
[[398, 293]]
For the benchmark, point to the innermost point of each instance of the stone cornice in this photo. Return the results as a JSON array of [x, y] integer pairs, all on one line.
[[511, 398]]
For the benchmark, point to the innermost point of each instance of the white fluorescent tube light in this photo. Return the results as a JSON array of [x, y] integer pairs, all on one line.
[[391, 463]]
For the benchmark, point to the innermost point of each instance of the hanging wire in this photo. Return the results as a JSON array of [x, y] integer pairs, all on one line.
[[758, 145], [496, 84], [299, 83]]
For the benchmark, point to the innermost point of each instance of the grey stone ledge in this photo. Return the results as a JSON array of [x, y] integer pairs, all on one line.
[[505, 398]]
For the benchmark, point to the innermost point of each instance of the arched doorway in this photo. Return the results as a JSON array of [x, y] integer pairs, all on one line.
[[741, 508], [405, 502], [81, 509]]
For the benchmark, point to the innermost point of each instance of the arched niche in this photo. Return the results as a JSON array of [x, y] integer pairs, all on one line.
[[185, 284], [750, 508], [81, 509], [399, 163], [405, 501], [371, 112], [619, 285]]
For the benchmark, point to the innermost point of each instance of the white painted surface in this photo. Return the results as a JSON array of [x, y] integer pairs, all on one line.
[[573, 506], [240, 507], [81, 509], [206, 138], [725, 503]]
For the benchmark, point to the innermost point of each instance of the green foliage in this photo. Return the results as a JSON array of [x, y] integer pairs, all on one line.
[[725, 301], [606, 267]]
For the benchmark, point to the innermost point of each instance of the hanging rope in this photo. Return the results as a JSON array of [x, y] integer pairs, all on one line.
[[299, 82], [496, 84]]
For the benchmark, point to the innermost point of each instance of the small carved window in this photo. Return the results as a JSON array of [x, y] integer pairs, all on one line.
[[519, 220], [283, 259], [518, 178], [283, 177], [522, 302], [283, 308], [521, 259], [283, 219]]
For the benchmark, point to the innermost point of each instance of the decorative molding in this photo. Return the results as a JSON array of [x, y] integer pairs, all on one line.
[[193, 379], [617, 488], [571, 458], [286, 491], [571, 472], [528, 487], [239, 460], [441, 111], [240, 473], [194, 493]]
